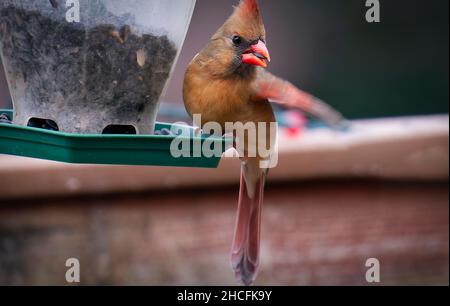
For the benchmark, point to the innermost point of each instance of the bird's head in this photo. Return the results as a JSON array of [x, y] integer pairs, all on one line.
[[241, 41]]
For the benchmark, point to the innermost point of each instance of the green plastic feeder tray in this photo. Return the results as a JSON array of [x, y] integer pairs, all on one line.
[[138, 150]]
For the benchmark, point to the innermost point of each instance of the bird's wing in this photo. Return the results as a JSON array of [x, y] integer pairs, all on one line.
[[268, 86]]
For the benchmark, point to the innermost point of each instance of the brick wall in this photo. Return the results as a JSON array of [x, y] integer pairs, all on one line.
[[318, 233]]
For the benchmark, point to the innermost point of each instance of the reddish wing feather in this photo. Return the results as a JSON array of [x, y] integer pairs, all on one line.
[[268, 86]]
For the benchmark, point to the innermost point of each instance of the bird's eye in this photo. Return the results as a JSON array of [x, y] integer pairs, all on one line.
[[237, 40]]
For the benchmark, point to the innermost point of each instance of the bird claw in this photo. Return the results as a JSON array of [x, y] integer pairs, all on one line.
[[164, 132]]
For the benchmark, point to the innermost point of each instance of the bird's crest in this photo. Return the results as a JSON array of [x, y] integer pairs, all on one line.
[[246, 20], [248, 8]]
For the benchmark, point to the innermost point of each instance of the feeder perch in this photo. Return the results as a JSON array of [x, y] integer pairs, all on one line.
[[86, 80], [141, 150]]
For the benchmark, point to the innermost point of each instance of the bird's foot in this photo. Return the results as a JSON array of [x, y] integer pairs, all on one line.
[[164, 132]]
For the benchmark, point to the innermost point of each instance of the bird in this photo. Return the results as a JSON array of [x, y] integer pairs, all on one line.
[[228, 82]]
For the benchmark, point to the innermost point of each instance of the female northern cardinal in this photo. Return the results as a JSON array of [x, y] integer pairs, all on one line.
[[226, 83]]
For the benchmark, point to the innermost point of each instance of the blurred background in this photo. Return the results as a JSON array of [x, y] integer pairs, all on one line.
[[335, 201]]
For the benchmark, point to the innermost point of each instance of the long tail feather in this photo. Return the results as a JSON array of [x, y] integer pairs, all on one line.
[[246, 245]]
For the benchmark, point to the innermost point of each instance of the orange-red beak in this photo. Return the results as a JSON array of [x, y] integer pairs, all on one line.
[[257, 55]]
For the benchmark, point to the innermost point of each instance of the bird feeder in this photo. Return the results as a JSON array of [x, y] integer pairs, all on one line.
[[86, 77]]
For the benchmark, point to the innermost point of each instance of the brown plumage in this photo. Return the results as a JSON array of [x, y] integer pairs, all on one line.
[[226, 82]]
